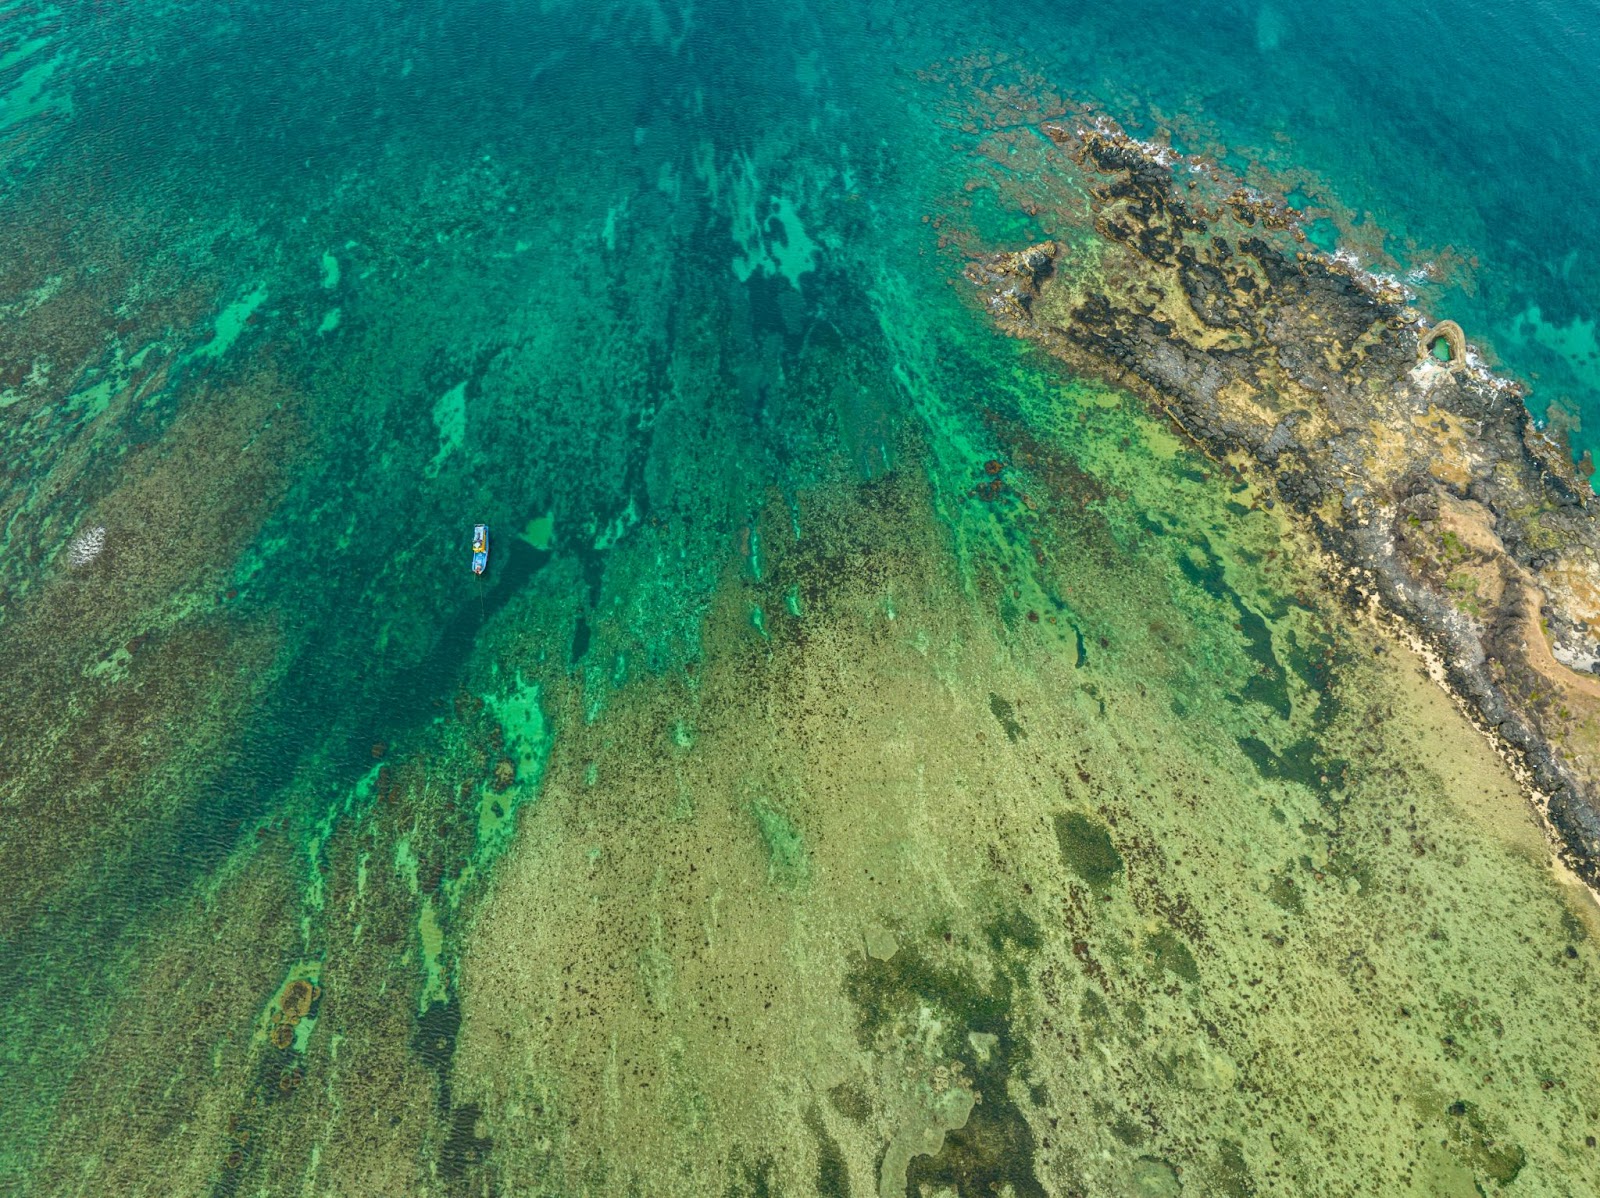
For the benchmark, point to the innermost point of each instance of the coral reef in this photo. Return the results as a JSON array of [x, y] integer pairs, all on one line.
[[898, 773], [293, 1005], [296, 1000]]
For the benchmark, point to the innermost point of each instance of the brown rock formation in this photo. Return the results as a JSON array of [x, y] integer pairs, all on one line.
[[1429, 480], [1450, 333]]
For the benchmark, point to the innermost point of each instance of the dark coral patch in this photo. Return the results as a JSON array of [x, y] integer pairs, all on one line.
[[1087, 850]]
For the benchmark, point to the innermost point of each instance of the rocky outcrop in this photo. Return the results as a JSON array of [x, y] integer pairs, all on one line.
[[1423, 474]]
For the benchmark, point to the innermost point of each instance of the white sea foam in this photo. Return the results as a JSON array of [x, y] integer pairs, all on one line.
[[86, 546], [1155, 151], [1372, 280]]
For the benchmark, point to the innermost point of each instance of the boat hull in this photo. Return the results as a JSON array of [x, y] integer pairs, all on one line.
[[480, 548]]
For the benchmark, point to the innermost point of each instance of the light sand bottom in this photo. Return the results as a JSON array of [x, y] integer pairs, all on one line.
[[1147, 965]]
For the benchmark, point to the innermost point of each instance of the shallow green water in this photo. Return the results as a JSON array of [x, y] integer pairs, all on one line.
[[796, 567]]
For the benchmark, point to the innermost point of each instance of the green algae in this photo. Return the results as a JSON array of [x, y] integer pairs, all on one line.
[[540, 532], [1285, 893], [33, 91], [525, 739], [1169, 954], [1487, 1151], [787, 861], [450, 423], [833, 1175], [1087, 849], [1005, 715], [231, 322], [992, 1149]]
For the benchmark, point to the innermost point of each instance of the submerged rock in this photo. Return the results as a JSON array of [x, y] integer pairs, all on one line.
[[1420, 472]]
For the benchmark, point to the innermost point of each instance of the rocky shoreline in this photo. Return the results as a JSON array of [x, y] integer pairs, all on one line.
[[1417, 469]]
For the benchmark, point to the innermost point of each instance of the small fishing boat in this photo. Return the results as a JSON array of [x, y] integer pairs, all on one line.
[[480, 547]]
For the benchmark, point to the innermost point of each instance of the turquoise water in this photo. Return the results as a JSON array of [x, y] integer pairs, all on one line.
[[1459, 135], [292, 295], [1453, 139]]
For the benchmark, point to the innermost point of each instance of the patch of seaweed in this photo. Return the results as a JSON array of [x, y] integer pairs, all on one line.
[[994, 1151]]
